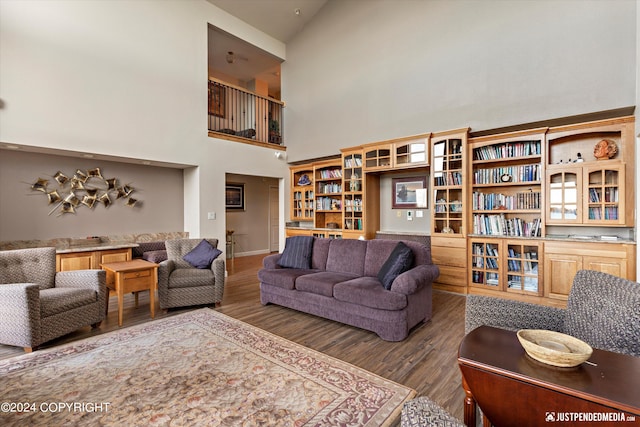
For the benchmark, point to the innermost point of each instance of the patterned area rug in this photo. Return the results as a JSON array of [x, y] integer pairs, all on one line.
[[197, 368]]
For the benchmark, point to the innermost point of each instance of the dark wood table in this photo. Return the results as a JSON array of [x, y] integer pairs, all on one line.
[[513, 389]]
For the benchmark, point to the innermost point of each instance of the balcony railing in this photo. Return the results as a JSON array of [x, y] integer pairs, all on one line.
[[237, 113]]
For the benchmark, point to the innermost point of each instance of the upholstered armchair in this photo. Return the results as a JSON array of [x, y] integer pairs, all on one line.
[[37, 304], [180, 284], [602, 310]]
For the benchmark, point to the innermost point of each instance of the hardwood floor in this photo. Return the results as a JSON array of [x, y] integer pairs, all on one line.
[[425, 361]]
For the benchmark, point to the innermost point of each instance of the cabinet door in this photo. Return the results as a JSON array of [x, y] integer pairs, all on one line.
[[524, 269], [74, 261], [378, 157], [563, 192], [114, 255], [409, 154], [614, 266], [559, 271], [485, 264], [604, 195]]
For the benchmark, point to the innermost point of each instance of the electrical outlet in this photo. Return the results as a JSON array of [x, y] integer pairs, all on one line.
[[211, 215], [419, 214], [399, 214]]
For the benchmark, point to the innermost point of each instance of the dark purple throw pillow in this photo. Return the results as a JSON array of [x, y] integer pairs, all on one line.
[[297, 252], [399, 261], [202, 255]]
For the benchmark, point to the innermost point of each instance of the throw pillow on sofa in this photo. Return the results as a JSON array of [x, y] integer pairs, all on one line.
[[202, 255], [399, 261], [297, 252]]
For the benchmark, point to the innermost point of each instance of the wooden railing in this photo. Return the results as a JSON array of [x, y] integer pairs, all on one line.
[[237, 113]]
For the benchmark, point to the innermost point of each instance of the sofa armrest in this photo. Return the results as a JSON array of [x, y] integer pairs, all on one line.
[[218, 268], [411, 281], [165, 268], [271, 261], [20, 313], [511, 315]]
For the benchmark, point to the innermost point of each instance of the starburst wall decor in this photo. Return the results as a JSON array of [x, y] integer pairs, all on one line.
[[85, 188]]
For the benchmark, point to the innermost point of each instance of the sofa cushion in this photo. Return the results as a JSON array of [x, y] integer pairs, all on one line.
[[202, 255], [347, 256], [320, 253], [284, 278], [297, 252], [60, 300], [190, 277], [321, 283], [155, 256], [367, 291], [400, 260], [378, 252]]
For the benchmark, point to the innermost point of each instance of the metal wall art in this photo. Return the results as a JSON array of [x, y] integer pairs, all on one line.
[[85, 188]]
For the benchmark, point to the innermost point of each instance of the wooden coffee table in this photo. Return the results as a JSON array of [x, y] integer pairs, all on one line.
[[512, 389], [132, 276]]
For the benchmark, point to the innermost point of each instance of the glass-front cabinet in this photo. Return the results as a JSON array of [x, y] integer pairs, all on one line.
[[603, 189], [302, 193], [411, 153], [447, 169], [523, 267], [485, 264], [564, 187], [353, 190]]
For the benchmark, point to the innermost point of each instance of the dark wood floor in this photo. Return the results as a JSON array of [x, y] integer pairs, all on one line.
[[426, 361]]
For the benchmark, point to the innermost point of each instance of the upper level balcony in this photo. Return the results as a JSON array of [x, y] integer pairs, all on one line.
[[240, 115]]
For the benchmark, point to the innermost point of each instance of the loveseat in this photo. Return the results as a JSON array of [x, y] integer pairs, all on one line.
[[341, 283]]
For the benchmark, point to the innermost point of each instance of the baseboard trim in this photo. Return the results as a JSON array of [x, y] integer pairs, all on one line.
[[249, 253]]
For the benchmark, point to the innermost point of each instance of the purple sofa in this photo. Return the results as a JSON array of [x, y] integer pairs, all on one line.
[[342, 285]]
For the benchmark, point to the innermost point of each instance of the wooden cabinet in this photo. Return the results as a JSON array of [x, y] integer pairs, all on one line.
[[409, 153], [353, 190], [450, 255], [591, 191], [587, 193], [91, 259], [302, 195], [327, 234], [448, 164], [289, 232], [377, 157], [562, 260]]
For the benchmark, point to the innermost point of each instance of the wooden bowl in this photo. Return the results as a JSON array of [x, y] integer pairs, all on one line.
[[554, 348]]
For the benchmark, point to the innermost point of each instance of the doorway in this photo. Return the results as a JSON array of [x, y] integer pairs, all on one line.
[[274, 218]]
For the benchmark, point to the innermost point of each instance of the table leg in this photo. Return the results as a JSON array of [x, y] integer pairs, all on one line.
[[120, 290], [152, 292], [469, 405]]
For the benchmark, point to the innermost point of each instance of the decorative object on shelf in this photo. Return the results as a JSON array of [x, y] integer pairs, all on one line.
[[234, 196], [554, 348], [85, 188], [579, 159], [304, 180], [404, 191], [333, 225], [505, 177], [354, 183], [447, 230], [605, 149]]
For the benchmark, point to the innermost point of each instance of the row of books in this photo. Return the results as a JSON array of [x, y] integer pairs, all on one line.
[[328, 203], [331, 187], [491, 278], [299, 213], [522, 200], [509, 149], [330, 173], [448, 178], [529, 284], [610, 195], [307, 204], [353, 205], [518, 173], [442, 205], [529, 258], [608, 212], [499, 225], [353, 224], [485, 255], [353, 162], [307, 195]]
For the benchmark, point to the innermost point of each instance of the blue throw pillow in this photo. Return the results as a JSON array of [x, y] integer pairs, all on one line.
[[202, 255], [297, 252], [400, 260]]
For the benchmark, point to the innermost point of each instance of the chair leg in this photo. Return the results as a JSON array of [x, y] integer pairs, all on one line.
[[29, 349]]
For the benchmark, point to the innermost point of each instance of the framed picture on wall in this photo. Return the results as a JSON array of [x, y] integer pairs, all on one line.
[[216, 99], [234, 196], [409, 193]]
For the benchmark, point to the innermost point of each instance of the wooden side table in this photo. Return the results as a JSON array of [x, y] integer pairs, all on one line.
[[513, 389], [132, 276]]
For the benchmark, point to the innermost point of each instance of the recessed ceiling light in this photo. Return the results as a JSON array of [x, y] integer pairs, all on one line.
[[146, 162], [11, 147], [88, 155]]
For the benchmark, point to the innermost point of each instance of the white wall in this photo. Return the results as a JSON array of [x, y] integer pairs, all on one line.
[[125, 78], [369, 71]]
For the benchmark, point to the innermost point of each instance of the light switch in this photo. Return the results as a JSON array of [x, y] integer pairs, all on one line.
[[419, 214], [409, 215], [211, 215]]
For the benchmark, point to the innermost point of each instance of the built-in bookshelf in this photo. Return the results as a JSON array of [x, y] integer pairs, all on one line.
[[507, 174], [328, 200], [448, 166], [353, 191], [302, 194]]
